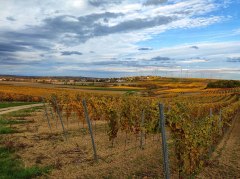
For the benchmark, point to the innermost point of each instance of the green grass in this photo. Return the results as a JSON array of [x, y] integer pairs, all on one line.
[[6, 120], [9, 122], [13, 104], [224, 84], [22, 113], [6, 130], [11, 167]]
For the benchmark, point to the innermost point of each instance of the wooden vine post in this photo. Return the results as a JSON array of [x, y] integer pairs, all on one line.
[[164, 142], [60, 117], [142, 130], [46, 114], [90, 129]]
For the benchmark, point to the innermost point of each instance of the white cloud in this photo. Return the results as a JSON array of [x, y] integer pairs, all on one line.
[[81, 4], [194, 61], [187, 14], [209, 50]]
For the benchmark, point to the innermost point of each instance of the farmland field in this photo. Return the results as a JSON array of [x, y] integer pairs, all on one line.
[[53, 140], [112, 89]]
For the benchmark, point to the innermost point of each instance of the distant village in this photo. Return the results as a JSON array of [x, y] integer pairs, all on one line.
[[73, 80]]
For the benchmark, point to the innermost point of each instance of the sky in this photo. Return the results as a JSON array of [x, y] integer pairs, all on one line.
[[115, 38]]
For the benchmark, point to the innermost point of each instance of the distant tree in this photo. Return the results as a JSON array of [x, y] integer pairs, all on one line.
[[224, 84]]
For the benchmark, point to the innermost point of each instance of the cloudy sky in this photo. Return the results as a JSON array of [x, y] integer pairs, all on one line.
[[111, 38]]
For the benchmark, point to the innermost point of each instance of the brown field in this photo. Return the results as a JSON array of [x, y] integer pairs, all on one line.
[[37, 89]]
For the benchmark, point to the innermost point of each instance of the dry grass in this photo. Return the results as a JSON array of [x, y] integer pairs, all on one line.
[[73, 158]]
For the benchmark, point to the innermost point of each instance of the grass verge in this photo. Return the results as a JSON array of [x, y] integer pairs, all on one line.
[[9, 122], [6, 130], [13, 104], [6, 120], [22, 113], [11, 167]]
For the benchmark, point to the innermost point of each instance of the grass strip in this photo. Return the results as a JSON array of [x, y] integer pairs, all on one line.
[[12, 167], [22, 113], [6, 130], [13, 104]]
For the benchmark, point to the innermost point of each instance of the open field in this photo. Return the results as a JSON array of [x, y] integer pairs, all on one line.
[[151, 87], [119, 89], [54, 140], [38, 88]]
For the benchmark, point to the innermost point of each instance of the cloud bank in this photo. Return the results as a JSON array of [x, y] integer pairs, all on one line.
[[110, 36]]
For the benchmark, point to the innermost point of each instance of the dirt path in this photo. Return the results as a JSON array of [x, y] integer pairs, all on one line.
[[16, 108], [225, 162]]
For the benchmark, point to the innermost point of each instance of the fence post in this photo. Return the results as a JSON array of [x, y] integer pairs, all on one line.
[[211, 113], [60, 117], [142, 130], [46, 114], [220, 122], [90, 129], [164, 143], [56, 120]]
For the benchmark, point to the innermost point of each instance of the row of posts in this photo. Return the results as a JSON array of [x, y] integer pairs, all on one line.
[[161, 128]]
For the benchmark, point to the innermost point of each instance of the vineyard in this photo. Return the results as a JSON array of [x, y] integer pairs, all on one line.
[[125, 127]]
